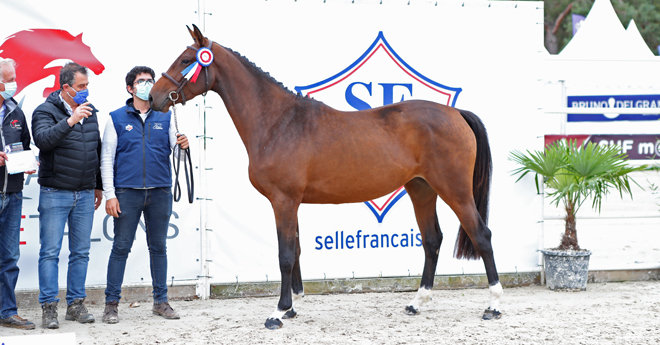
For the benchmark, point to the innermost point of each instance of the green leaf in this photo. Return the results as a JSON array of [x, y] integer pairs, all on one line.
[[573, 174]]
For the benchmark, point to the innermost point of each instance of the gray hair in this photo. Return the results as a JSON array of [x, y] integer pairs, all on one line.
[[7, 62]]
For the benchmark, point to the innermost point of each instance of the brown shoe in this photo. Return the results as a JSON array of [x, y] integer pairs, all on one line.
[[164, 310], [110, 314], [76, 311], [16, 321]]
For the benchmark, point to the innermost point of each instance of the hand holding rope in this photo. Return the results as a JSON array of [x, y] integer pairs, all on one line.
[[187, 164]]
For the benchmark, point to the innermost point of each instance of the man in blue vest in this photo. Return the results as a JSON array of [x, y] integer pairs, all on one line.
[[135, 166]]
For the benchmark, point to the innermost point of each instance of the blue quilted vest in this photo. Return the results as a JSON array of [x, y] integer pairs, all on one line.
[[142, 158]]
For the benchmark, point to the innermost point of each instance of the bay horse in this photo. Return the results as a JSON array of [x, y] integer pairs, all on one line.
[[303, 151]]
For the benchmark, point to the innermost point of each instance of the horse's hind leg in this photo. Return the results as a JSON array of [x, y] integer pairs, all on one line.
[[286, 219], [424, 200], [297, 290], [458, 195], [482, 242], [480, 236]]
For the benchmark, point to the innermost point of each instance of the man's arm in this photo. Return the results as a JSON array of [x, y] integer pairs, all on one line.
[[98, 191], [108, 152], [47, 132], [25, 135], [176, 140]]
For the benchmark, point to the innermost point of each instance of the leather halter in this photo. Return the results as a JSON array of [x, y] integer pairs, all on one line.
[[184, 81]]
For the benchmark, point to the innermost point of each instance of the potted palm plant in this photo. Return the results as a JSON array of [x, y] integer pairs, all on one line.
[[571, 176]]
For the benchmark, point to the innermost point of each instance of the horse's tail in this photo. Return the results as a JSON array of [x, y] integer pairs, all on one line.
[[483, 167]]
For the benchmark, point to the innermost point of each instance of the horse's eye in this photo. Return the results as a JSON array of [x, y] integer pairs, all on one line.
[[185, 61]]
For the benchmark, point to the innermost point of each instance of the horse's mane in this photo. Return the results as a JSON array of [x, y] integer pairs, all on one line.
[[258, 71]]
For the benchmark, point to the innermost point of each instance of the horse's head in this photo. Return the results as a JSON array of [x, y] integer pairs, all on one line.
[[174, 87], [34, 51]]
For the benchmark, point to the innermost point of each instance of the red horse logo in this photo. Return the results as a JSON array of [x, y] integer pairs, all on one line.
[[34, 49], [15, 124]]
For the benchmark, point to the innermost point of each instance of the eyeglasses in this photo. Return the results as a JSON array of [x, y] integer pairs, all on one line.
[[142, 82]]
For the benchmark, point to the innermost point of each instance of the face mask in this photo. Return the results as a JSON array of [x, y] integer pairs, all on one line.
[[10, 89], [142, 91], [80, 97]]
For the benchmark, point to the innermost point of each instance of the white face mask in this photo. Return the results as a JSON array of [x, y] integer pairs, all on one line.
[[10, 89], [142, 90]]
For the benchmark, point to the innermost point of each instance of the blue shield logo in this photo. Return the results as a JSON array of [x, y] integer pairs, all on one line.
[[378, 77]]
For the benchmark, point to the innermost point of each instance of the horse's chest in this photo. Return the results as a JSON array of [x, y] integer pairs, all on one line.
[[283, 174]]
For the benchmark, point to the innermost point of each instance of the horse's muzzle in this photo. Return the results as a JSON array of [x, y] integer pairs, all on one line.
[[158, 106]]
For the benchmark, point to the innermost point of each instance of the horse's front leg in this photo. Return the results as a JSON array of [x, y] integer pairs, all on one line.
[[286, 219], [296, 281]]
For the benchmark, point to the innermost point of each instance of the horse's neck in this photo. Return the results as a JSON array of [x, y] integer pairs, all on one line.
[[253, 102]]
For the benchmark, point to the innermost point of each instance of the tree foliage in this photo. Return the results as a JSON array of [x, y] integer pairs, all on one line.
[[573, 174], [558, 33]]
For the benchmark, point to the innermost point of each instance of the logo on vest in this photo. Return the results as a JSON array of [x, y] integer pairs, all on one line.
[[15, 125], [129, 127], [158, 125]]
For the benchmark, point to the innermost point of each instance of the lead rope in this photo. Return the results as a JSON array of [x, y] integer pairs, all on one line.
[[204, 61], [190, 183]]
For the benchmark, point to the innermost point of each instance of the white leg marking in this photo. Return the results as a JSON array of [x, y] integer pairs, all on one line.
[[495, 293], [295, 298], [277, 314], [423, 296]]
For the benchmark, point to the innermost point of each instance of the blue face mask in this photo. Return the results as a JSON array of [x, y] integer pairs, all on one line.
[[10, 89], [142, 90], [80, 97]]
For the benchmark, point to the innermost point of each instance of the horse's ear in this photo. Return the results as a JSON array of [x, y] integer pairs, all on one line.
[[199, 37], [192, 33]]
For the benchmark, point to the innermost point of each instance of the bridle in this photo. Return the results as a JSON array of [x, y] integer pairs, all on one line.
[[174, 95], [204, 62]]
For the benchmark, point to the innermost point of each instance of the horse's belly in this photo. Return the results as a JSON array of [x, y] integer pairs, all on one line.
[[357, 176], [349, 191]]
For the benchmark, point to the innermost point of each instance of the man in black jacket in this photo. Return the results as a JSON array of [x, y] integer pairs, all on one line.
[[66, 130], [13, 133]]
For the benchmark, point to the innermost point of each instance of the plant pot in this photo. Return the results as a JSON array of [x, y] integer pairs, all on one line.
[[566, 270]]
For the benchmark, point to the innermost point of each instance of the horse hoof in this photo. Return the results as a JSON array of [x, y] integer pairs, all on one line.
[[273, 323], [491, 314], [410, 310], [290, 314]]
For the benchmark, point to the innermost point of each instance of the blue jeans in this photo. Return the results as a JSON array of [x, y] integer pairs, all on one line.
[[10, 232], [156, 205], [58, 207]]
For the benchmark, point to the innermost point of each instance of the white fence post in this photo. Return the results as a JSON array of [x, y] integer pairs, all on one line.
[[203, 282]]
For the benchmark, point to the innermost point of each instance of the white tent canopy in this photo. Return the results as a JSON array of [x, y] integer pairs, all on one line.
[[602, 36], [637, 41], [603, 58]]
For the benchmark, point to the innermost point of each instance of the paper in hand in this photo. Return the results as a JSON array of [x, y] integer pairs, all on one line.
[[20, 162]]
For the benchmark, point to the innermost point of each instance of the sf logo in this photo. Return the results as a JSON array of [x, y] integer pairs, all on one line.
[[388, 91]]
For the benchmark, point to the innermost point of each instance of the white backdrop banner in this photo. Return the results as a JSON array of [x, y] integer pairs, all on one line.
[[475, 55], [42, 36], [480, 56]]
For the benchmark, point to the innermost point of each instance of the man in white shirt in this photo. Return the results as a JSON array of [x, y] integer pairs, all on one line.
[[135, 167]]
